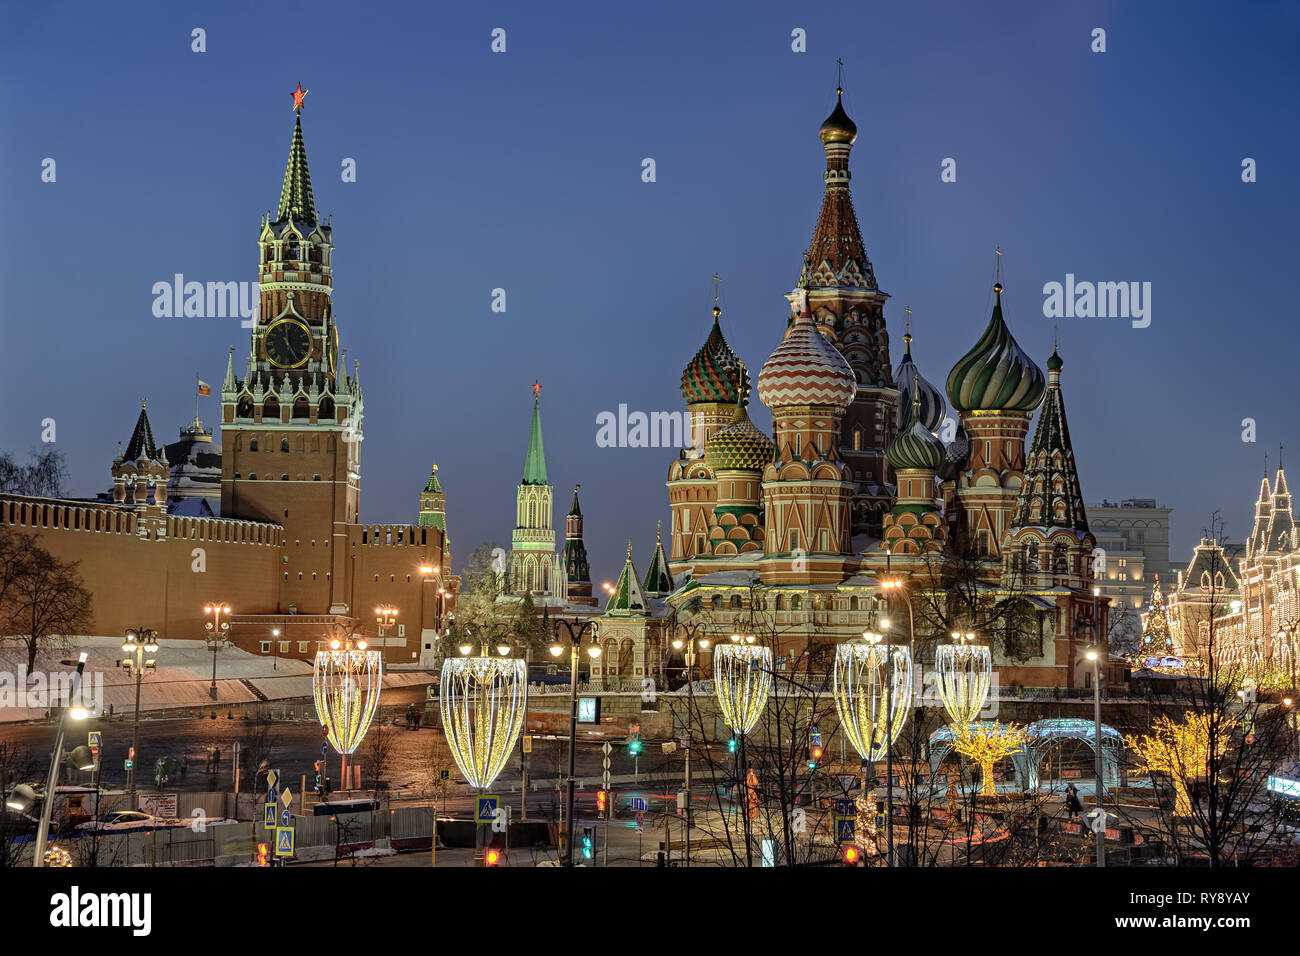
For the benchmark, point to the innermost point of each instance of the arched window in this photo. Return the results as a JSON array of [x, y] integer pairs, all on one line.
[[716, 602], [252, 443], [271, 409], [301, 409], [326, 409], [284, 444], [796, 602], [780, 602], [245, 409], [735, 602], [1059, 558], [853, 603]]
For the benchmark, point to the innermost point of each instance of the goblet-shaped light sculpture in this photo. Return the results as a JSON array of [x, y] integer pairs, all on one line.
[[345, 684], [482, 704], [872, 686], [742, 676], [965, 670]]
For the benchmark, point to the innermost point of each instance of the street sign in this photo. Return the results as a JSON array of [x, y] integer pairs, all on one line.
[[843, 806], [640, 819], [444, 775], [639, 804], [287, 797], [844, 827], [485, 807], [324, 749], [268, 815], [604, 779], [284, 841], [271, 795], [528, 744], [286, 818], [94, 738], [271, 778], [607, 748]]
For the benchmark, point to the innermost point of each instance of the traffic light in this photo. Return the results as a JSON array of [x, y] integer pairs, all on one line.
[[262, 854], [731, 745], [814, 756], [491, 857], [602, 800], [588, 842], [634, 746], [317, 785], [851, 855]]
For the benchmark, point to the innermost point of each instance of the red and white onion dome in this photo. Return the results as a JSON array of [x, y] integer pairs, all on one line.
[[805, 369]]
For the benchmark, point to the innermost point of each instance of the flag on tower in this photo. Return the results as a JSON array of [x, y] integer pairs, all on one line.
[[204, 388]]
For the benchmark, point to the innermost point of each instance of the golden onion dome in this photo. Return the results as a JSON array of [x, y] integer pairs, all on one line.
[[838, 128]]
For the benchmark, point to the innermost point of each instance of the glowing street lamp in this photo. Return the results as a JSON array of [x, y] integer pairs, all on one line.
[[965, 671], [216, 637], [742, 677], [346, 682], [871, 686], [482, 705]]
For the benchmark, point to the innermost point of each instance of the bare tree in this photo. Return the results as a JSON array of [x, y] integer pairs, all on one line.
[[46, 603], [42, 477]]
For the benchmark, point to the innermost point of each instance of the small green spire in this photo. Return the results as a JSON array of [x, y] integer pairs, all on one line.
[[535, 461], [296, 201], [433, 487]]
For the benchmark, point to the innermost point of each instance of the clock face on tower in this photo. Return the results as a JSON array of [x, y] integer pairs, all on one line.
[[332, 349], [287, 343]]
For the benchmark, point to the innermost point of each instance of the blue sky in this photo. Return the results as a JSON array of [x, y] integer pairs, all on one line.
[[522, 171]]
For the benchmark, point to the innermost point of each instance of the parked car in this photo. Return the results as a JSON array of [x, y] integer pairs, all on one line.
[[122, 821]]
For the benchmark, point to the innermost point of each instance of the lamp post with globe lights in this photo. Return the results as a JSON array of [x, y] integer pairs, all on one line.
[[689, 644], [742, 679], [216, 637], [346, 683], [575, 644], [139, 642]]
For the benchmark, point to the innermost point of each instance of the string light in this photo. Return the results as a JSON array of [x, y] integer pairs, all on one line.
[[1182, 751], [864, 700], [965, 671], [482, 704], [345, 685], [742, 676], [986, 742]]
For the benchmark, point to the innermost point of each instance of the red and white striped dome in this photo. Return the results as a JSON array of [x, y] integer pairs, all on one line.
[[805, 369]]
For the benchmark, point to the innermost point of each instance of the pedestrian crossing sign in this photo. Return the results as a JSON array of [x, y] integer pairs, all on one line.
[[284, 841], [485, 808], [268, 815]]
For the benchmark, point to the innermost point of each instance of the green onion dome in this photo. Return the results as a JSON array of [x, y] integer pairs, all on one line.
[[838, 128], [916, 447], [996, 375], [716, 374], [741, 446]]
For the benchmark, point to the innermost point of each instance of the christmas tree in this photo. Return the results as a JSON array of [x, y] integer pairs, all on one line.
[[1155, 625]]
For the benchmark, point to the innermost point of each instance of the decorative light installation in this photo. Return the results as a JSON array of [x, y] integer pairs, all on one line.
[[964, 674], [872, 712], [345, 683], [482, 704], [742, 675]]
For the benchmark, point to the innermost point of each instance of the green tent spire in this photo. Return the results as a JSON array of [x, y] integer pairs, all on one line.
[[296, 200], [433, 485], [535, 461]]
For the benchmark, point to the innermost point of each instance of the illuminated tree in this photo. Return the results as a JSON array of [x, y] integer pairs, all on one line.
[[1182, 751], [1155, 630], [986, 743]]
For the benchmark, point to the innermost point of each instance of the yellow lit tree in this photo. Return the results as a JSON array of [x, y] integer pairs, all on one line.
[[1182, 751], [987, 742]]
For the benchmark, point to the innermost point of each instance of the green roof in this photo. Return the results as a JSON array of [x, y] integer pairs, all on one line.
[[142, 444], [535, 461], [296, 200], [433, 487]]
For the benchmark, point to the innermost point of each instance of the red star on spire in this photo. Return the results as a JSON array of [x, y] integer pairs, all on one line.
[[537, 388], [298, 95]]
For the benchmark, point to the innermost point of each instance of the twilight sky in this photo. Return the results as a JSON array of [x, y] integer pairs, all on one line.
[[522, 170]]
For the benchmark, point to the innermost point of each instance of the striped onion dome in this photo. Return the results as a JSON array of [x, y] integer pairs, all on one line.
[[996, 375], [906, 377], [741, 446], [805, 369], [915, 447], [716, 374]]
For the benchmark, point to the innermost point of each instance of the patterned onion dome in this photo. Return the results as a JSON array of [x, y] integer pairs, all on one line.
[[915, 447], [805, 369], [996, 375], [716, 374], [838, 128], [741, 446], [906, 376], [956, 455]]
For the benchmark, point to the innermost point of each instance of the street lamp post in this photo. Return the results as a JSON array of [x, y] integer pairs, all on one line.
[[1099, 824], [385, 617], [275, 648], [216, 639], [56, 759], [689, 644], [139, 641], [575, 642]]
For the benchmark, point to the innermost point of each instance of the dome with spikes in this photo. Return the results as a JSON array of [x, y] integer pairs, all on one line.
[[741, 446], [838, 128], [716, 374], [996, 375], [909, 381], [956, 455], [805, 369], [915, 447]]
